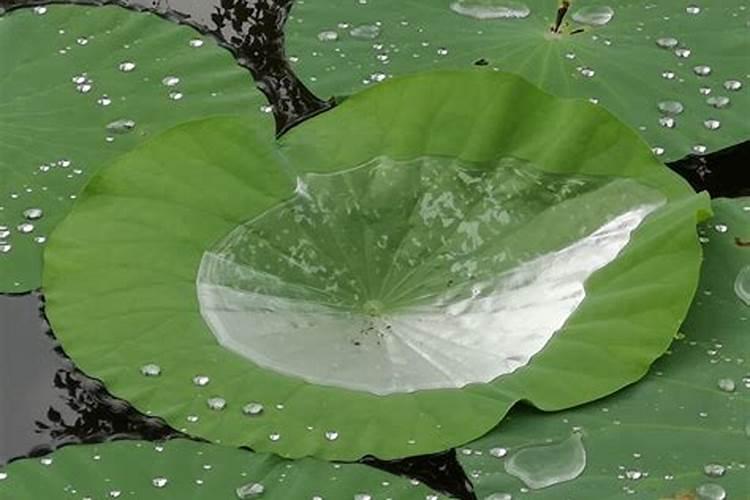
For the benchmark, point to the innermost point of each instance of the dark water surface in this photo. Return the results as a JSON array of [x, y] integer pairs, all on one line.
[[46, 402]]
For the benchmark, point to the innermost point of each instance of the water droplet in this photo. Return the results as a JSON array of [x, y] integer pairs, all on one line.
[[693, 9], [657, 150], [442, 51], [683, 52], [702, 70], [196, 43], [3, 476], [328, 36], [733, 85], [170, 81], [175, 95], [332, 435], [378, 77], [548, 464], [499, 496], [711, 491], [25, 227], [667, 122], [115, 493], [714, 470], [126, 66], [712, 124], [250, 490], [492, 9], [718, 101], [40, 11], [82, 40], [40, 239], [201, 380], [365, 31], [721, 228], [216, 403], [122, 126], [742, 286], [159, 482], [84, 88], [668, 75], [498, 452], [192, 418], [46, 461], [587, 72], [699, 149], [633, 474], [5, 247], [33, 213], [274, 436], [595, 15], [252, 409], [570, 55], [667, 42], [104, 100], [150, 370], [671, 107], [362, 496]]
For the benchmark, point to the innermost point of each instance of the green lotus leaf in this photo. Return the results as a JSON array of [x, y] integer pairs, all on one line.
[[95, 83], [182, 468], [680, 433], [676, 74], [389, 279]]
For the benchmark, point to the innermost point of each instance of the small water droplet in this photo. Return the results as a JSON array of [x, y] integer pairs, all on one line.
[[671, 107], [362, 496], [216, 403], [150, 370], [192, 418], [115, 493], [82, 40], [499, 496], [721, 228], [683, 52], [498, 452], [714, 470], [274, 436], [3, 476], [104, 100], [33, 213], [570, 55], [718, 101], [378, 77], [328, 36], [252, 409], [733, 85], [170, 81], [442, 51], [40, 239], [332, 435], [693, 9], [548, 464], [587, 72], [201, 380], [365, 31], [702, 70], [126, 66], [667, 122], [175, 95], [46, 461], [40, 11], [5, 247], [595, 15], [25, 227], [742, 290], [668, 75], [699, 149], [633, 474], [492, 9], [711, 491], [196, 43], [657, 150], [250, 490], [712, 124], [159, 482], [667, 42], [122, 126]]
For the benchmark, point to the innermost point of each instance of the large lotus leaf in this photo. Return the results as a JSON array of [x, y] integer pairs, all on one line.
[[94, 83], [685, 426], [340, 46], [424, 234], [187, 469]]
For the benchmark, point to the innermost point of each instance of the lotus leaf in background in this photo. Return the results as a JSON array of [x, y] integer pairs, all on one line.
[[187, 469], [682, 432], [94, 83], [675, 72], [225, 282]]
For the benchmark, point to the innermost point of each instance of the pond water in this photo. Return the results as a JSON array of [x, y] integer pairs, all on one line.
[[47, 402]]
